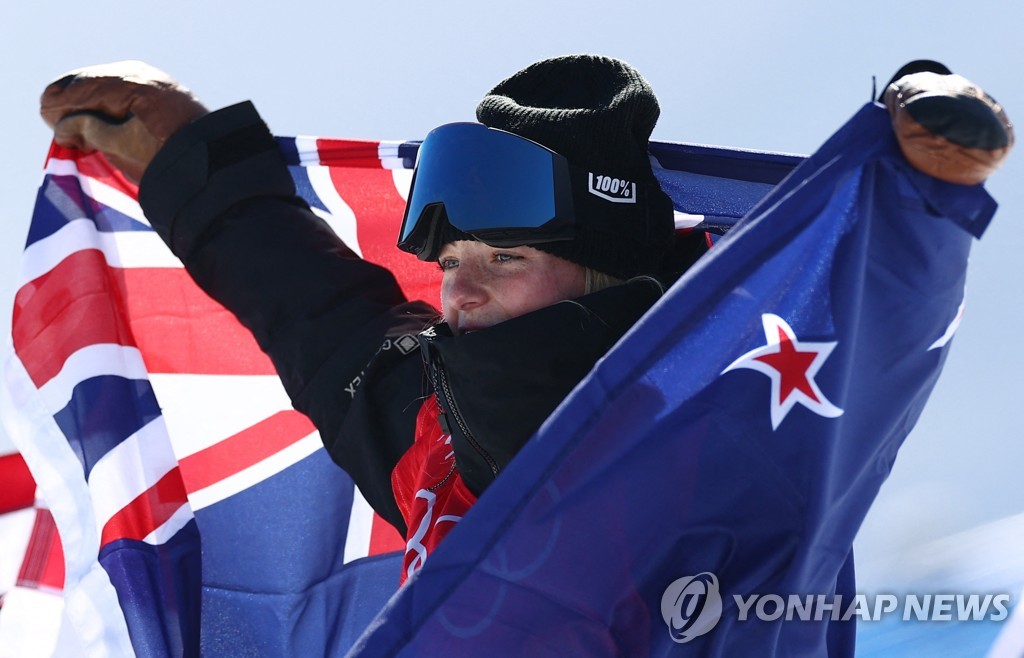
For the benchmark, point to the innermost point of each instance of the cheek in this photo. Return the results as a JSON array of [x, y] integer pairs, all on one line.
[[567, 281], [544, 289], [445, 296]]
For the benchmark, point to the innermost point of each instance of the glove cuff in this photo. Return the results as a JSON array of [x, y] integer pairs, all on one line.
[[205, 168]]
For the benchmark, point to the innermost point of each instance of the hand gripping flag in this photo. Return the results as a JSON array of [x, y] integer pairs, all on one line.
[[730, 444]]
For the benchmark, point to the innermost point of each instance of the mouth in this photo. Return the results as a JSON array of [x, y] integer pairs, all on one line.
[[470, 328], [468, 325]]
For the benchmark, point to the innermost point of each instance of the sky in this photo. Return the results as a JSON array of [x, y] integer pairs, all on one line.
[[775, 76]]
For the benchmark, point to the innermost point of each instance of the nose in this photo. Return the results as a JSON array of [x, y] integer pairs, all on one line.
[[462, 289]]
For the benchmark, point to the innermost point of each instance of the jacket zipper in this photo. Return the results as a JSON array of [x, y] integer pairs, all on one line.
[[446, 392], [444, 479]]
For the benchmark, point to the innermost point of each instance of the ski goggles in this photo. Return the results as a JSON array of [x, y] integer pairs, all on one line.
[[499, 188]]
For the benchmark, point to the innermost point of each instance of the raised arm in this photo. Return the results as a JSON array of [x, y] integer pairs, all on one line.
[[216, 189]]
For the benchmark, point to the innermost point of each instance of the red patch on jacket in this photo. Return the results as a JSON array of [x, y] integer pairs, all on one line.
[[428, 488]]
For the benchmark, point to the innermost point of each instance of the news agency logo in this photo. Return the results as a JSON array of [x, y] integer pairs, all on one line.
[[691, 606]]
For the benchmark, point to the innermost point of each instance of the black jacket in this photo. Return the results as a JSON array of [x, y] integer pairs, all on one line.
[[346, 343]]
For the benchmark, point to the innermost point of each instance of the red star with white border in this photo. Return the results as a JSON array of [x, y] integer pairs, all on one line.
[[791, 364]]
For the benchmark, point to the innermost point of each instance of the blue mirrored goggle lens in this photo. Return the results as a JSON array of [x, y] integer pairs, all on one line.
[[488, 181]]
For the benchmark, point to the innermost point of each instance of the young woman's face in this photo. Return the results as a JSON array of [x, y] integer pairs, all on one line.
[[484, 285]]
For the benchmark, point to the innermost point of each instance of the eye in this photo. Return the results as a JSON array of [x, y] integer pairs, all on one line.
[[447, 263], [503, 257]]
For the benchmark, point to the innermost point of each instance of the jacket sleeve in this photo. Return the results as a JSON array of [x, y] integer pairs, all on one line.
[[334, 325]]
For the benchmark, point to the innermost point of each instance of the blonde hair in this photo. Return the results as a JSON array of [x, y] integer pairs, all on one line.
[[595, 281]]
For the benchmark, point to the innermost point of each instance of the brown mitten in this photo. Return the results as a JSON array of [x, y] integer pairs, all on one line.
[[126, 110], [948, 127]]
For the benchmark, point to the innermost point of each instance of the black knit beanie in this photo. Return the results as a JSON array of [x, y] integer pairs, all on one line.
[[598, 113]]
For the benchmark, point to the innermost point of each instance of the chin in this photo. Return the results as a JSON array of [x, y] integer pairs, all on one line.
[[475, 326]]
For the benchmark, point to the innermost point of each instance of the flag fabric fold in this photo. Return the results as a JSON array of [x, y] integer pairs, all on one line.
[[742, 428]]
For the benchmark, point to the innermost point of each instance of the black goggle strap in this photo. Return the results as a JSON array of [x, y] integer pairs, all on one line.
[[606, 203]]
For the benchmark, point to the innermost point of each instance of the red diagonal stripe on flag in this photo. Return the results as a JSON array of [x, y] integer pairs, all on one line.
[[176, 325], [180, 329], [52, 575], [19, 489], [245, 449], [150, 509], [43, 564], [95, 165], [383, 537], [77, 303], [378, 208]]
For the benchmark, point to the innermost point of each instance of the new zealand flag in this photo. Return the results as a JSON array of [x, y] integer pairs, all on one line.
[[736, 436]]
